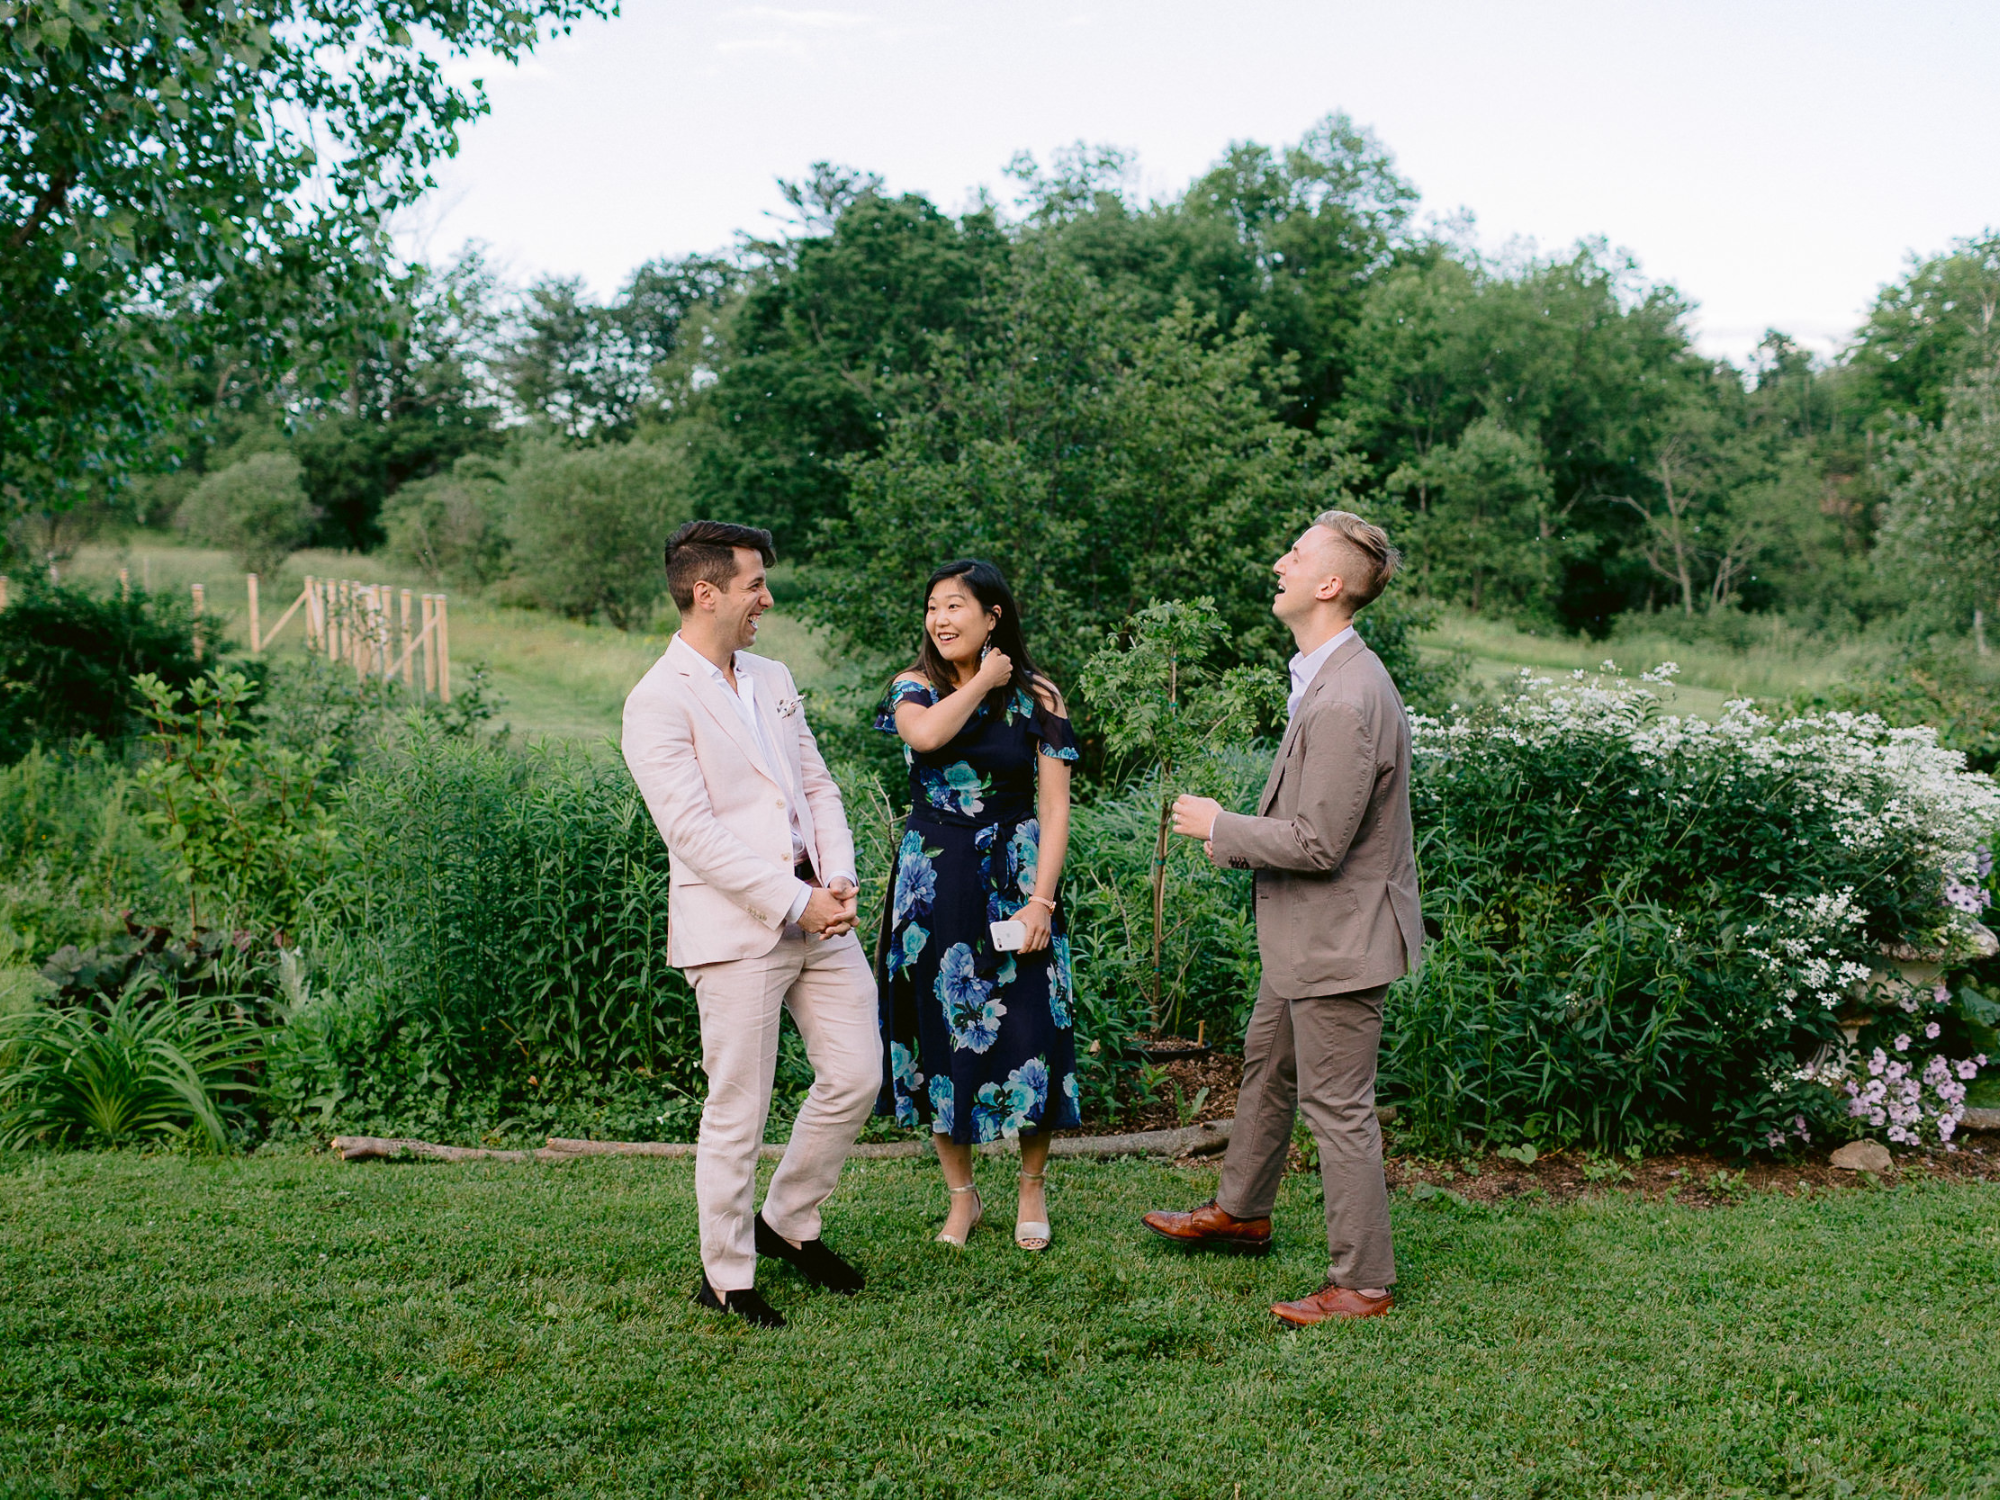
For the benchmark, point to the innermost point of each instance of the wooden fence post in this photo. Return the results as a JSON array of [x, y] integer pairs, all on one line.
[[4, 587], [197, 622], [403, 640], [124, 583], [430, 646], [444, 648], [256, 646]]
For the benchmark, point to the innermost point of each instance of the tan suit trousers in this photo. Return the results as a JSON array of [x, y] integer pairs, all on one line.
[[828, 988], [1315, 1054]]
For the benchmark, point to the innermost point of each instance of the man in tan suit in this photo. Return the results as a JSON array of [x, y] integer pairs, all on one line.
[[1337, 921], [760, 914]]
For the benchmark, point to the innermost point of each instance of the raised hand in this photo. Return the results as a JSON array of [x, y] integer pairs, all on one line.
[[996, 670], [1195, 816]]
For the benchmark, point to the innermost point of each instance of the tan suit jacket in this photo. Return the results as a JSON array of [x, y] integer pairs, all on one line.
[[721, 807], [1332, 843]]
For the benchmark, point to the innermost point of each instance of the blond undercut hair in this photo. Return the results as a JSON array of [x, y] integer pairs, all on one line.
[[1369, 545]]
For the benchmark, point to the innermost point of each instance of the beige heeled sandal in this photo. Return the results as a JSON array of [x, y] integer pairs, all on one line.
[[978, 1213], [1028, 1234]]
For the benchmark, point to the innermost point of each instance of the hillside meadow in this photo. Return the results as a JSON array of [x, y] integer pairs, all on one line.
[[561, 679]]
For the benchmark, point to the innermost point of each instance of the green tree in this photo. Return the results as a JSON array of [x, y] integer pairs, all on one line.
[[176, 175], [452, 526], [589, 527], [1927, 332], [833, 334], [1479, 520], [1575, 354], [1103, 460], [256, 511], [68, 657], [1165, 710], [1943, 521]]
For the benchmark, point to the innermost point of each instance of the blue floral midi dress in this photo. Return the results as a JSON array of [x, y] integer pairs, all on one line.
[[977, 1044]]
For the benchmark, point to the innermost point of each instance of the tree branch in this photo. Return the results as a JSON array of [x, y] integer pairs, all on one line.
[[55, 197]]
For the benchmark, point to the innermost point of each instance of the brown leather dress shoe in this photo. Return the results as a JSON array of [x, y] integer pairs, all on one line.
[[1332, 1301], [1209, 1225]]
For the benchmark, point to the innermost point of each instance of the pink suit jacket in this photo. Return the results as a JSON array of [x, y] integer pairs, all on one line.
[[721, 808]]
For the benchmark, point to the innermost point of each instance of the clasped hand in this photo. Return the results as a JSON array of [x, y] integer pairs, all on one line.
[[831, 910]]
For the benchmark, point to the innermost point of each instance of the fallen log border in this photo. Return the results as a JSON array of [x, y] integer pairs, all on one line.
[[1191, 1140]]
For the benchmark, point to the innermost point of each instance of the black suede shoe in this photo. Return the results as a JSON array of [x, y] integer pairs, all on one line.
[[811, 1260], [748, 1304]]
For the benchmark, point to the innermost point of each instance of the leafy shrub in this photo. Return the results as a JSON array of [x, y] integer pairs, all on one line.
[[1653, 926], [255, 510], [452, 526], [243, 814], [74, 855], [68, 657], [499, 941], [1928, 685], [589, 527], [1209, 939], [155, 1066]]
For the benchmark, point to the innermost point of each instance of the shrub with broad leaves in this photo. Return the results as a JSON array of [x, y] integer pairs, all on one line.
[[1655, 926]]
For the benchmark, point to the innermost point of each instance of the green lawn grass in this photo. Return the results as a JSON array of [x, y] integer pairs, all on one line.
[[299, 1326]]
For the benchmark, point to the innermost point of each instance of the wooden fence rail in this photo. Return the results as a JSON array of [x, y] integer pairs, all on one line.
[[365, 625]]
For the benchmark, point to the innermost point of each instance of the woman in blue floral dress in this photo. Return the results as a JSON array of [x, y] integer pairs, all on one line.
[[978, 1041]]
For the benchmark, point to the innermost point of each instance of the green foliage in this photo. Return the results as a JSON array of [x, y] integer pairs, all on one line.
[[74, 854], [452, 526], [1207, 966], [832, 332], [1943, 521], [589, 527], [1618, 899], [500, 940], [68, 657], [242, 814], [1164, 711], [153, 1066], [1928, 332], [1481, 520], [228, 164], [1070, 425], [1935, 684], [256, 510]]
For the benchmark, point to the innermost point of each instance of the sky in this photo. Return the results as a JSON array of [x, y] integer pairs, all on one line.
[[1777, 162]]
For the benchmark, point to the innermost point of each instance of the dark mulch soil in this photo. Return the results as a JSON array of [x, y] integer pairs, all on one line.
[[1698, 1178]]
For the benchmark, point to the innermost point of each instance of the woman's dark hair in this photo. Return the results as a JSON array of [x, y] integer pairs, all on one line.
[[989, 586]]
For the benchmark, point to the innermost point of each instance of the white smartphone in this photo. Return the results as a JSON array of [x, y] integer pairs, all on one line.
[[1008, 936]]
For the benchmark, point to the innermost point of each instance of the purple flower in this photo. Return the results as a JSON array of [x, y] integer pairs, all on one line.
[[1968, 1070], [1940, 995], [1903, 1042]]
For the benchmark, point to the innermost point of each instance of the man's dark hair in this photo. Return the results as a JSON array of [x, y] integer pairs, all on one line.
[[706, 551]]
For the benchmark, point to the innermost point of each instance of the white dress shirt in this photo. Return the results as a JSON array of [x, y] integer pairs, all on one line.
[[744, 699], [1305, 668]]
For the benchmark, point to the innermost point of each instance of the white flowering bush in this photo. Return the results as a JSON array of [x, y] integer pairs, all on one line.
[[1655, 926]]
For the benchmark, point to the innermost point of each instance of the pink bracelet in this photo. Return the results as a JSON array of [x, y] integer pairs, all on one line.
[[1045, 901]]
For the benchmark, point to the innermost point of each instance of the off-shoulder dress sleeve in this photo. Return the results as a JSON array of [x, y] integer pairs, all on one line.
[[902, 691], [1057, 736]]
